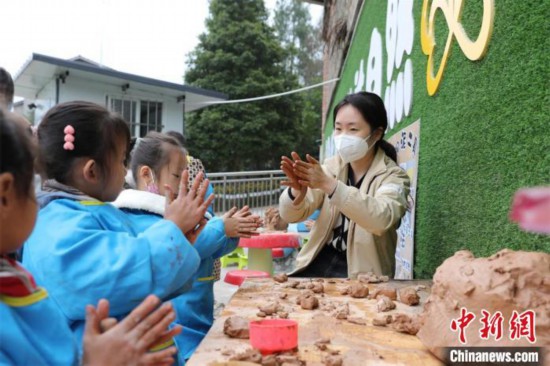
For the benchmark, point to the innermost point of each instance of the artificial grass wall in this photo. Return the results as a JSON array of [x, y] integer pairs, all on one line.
[[483, 135]]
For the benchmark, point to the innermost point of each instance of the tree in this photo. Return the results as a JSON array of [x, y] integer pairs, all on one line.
[[304, 59], [240, 56]]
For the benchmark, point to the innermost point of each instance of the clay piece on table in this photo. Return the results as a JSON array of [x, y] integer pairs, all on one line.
[[303, 293], [283, 314], [405, 323], [302, 285], [292, 284], [283, 296], [384, 291], [342, 312], [289, 360], [381, 320], [318, 280], [333, 360], [309, 302], [321, 344], [384, 278], [409, 296], [228, 352], [508, 281], [273, 220], [331, 281], [344, 291], [368, 277], [269, 360], [358, 291], [250, 355], [357, 320], [318, 288], [270, 308], [236, 327], [281, 277], [420, 288], [261, 314], [384, 304]]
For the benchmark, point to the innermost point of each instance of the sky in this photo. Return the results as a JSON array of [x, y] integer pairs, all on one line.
[[142, 37]]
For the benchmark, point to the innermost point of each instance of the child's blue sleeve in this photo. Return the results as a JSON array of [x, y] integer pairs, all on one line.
[[82, 261], [212, 241], [209, 191]]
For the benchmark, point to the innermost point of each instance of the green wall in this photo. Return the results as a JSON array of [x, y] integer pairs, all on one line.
[[484, 134]]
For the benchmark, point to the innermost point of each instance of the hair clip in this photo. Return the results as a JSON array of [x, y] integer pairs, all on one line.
[[69, 138]]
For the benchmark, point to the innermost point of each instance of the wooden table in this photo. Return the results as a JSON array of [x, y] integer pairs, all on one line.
[[358, 344]]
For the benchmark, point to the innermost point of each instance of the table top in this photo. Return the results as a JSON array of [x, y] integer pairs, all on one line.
[[272, 239], [358, 344]]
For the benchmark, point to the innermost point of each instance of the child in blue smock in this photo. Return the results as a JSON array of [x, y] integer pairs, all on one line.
[[32, 330], [155, 163], [83, 248]]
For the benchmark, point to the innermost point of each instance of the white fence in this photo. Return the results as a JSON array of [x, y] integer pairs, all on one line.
[[257, 189]]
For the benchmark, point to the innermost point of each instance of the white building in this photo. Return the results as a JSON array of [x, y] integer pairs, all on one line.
[[147, 104]]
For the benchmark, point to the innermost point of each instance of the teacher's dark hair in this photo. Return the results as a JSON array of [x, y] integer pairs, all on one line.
[[372, 108]]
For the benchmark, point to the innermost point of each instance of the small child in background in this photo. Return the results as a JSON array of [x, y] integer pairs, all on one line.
[[156, 161], [33, 331], [82, 248]]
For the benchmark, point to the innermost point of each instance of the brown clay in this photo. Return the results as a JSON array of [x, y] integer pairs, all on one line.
[[342, 312], [283, 314], [309, 302], [384, 278], [261, 314], [270, 308], [250, 355], [269, 360], [384, 304], [283, 296], [381, 320], [289, 360], [507, 281], [358, 290], [405, 323], [333, 360], [321, 344], [281, 277], [292, 284], [344, 291], [304, 293], [318, 288], [409, 296], [369, 277], [385, 291], [236, 327]]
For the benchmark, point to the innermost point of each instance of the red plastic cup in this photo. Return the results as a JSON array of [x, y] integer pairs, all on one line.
[[273, 335]]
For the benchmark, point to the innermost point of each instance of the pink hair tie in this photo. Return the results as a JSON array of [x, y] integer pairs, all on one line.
[[69, 138]]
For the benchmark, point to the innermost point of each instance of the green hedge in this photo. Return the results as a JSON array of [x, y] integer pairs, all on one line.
[[484, 134]]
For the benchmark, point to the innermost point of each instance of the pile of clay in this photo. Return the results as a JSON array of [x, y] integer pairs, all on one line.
[[507, 281]]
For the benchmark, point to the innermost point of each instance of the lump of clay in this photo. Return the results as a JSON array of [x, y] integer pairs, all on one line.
[[381, 320], [409, 296], [358, 290], [309, 302], [333, 360], [303, 294], [356, 320], [269, 360], [250, 355], [270, 308], [321, 344], [385, 291], [236, 327], [507, 281], [384, 304], [289, 360], [283, 296], [405, 323], [273, 221], [368, 277], [342, 312], [318, 288], [292, 284], [281, 277]]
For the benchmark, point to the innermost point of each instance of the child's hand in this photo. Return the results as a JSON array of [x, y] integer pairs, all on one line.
[[189, 207], [194, 234], [127, 342], [241, 223]]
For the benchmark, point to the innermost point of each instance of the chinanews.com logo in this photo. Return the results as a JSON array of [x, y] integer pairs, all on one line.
[[519, 326]]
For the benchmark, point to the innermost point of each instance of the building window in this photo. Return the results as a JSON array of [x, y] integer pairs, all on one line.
[[142, 115]]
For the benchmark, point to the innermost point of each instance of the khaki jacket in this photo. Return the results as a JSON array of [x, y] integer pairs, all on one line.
[[374, 210]]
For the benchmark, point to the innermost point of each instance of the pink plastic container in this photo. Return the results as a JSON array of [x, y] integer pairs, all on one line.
[[273, 335]]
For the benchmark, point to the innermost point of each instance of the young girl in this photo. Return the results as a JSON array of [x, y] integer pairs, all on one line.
[[33, 330], [155, 163], [83, 248]]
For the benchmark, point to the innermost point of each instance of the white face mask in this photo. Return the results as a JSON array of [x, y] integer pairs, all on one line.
[[351, 148]]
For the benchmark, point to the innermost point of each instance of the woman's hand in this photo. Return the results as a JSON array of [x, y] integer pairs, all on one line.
[[189, 207], [241, 223], [310, 174], [287, 166], [127, 342]]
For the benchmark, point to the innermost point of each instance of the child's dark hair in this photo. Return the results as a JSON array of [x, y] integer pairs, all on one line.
[[96, 135], [178, 136], [17, 154], [371, 107], [6, 87], [152, 151]]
